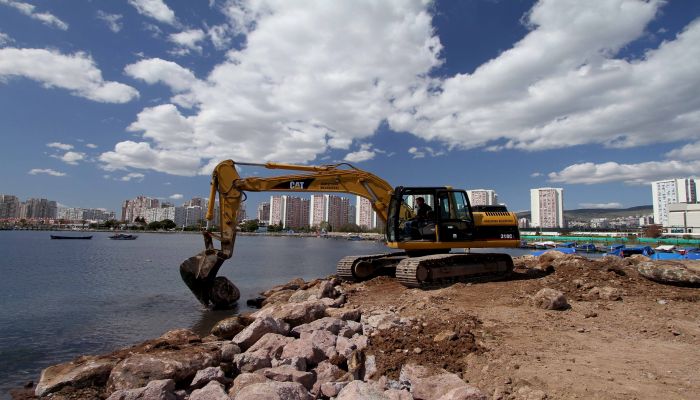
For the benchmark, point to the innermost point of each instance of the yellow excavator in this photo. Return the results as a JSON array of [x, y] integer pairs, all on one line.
[[424, 238]]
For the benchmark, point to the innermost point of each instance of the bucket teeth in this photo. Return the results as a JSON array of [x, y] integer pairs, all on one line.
[[198, 273]]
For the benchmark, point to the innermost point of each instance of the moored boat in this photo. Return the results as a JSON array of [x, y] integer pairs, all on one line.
[[123, 236]]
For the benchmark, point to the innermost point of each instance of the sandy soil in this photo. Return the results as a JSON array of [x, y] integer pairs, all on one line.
[[644, 346]]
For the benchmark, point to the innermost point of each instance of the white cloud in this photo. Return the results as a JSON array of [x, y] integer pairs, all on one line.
[[91, 146], [688, 152], [188, 41], [535, 175], [29, 10], [132, 176], [46, 171], [601, 205], [76, 73], [113, 21], [308, 79], [220, 36], [176, 196], [416, 153], [156, 70], [642, 173], [421, 153], [71, 157], [365, 153], [59, 145], [141, 155], [5, 39], [155, 9], [564, 84]]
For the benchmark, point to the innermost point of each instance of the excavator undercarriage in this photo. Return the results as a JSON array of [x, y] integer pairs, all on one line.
[[427, 270]]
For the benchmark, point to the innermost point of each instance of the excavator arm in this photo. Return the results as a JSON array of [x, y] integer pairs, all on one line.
[[199, 272]]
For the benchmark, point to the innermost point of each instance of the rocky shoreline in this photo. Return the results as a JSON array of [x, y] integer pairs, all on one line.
[[328, 339]]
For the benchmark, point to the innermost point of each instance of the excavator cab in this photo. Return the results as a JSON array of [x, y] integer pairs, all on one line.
[[448, 219]]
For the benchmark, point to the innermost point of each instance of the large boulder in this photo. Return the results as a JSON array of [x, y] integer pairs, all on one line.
[[330, 324], [245, 379], [228, 328], [287, 373], [314, 347], [83, 372], [261, 326], [180, 364], [550, 299], [163, 389], [294, 314], [212, 391], [671, 272], [274, 391], [359, 390], [262, 353], [425, 384]]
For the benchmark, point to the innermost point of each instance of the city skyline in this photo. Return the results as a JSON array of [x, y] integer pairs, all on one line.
[[476, 94]]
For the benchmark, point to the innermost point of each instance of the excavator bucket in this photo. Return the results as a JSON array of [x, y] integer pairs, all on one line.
[[199, 274]]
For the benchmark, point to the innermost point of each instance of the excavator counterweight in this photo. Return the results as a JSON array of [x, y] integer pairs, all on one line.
[[424, 223]]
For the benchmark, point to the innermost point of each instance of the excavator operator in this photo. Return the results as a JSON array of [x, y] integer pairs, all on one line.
[[423, 213]]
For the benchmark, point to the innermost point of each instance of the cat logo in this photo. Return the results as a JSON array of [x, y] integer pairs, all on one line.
[[296, 185]]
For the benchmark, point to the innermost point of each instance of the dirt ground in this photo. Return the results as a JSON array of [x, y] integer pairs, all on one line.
[[644, 346]]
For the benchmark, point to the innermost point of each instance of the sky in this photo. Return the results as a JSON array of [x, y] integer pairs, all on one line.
[[103, 101]]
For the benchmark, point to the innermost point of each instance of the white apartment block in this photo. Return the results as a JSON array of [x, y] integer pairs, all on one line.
[[482, 197], [317, 210], [671, 191], [547, 208], [365, 216], [263, 212]]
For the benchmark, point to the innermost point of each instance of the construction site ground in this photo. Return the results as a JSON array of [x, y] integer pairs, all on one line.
[[644, 346]]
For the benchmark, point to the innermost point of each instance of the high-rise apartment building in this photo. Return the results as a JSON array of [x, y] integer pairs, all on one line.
[[263, 212], [365, 216], [671, 191], [38, 209], [337, 210], [482, 197], [290, 211], [9, 206], [137, 208], [547, 208], [317, 210]]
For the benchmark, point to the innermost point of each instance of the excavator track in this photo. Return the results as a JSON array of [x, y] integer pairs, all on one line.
[[438, 269], [361, 268]]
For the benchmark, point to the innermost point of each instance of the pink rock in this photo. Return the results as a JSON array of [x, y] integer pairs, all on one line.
[[213, 391], [550, 299], [294, 314], [427, 385], [274, 391], [286, 373], [245, 379], [158, 389]]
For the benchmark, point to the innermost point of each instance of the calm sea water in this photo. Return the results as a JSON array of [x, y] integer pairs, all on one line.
[[63, 298]]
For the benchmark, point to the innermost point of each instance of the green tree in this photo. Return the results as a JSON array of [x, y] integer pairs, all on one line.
[[154, 226], [250, 225], [350, 228], [168, 224]]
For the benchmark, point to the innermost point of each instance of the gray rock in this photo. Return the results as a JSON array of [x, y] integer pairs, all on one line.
[[346, 314], [294, 314], [248, 336], [206, 375], [345, 346], [180, 365], [228, 328], [330, 324], [398, 394], [331, 389], [370, 367], [213, 391], [427, 385], [550, 299], [297, 363], [286, 373], [245, 379], [671, 272], [358, 390], [86, 371], [163, 389], [270, 345], [228, 350], [274, 391], [327, 373]]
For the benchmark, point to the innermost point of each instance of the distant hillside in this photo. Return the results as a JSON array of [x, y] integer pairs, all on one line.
[[588, 213]]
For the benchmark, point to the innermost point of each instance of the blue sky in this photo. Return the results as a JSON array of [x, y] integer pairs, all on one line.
[[104, 101]]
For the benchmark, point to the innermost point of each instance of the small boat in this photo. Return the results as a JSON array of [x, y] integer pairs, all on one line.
[[586, 248], [71, 237], [622, 251], [123, 236]]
